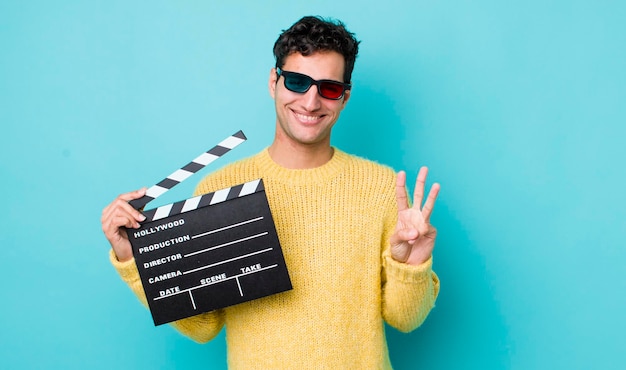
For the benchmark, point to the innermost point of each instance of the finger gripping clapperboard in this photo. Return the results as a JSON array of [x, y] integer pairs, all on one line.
[[210, 251]]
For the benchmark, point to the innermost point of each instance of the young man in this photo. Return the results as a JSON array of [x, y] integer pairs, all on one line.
[[357, 253]]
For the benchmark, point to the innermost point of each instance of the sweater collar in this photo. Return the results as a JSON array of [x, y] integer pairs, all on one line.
[[271, 170]]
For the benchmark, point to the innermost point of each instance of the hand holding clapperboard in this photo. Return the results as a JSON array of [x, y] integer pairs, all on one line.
[[210, 251]]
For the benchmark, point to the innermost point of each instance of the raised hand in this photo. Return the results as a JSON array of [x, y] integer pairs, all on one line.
[[414, 238]]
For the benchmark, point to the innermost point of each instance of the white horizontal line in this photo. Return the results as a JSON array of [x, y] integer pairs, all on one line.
[[225, 244], [227, 227], [228, 260]]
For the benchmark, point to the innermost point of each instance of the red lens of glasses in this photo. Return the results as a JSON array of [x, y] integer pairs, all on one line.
[[331, 90]]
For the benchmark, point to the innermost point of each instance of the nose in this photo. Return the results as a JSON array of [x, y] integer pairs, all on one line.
[[311, 100]]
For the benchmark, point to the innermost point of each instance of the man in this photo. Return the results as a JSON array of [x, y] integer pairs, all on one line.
[[357, 253]]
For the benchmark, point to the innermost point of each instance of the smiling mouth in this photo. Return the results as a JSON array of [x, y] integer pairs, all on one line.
[[307, 118]]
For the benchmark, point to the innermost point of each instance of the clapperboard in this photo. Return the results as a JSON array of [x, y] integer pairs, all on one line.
[[210, 251]]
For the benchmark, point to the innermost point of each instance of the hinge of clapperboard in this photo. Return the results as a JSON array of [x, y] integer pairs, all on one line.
[[183, 174]]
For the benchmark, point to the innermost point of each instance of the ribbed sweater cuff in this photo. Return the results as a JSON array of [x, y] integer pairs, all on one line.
[[127, 269], [407, 273]]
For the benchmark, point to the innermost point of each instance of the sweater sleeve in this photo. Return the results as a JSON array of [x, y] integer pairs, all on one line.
[[201, 328], [409, 293]]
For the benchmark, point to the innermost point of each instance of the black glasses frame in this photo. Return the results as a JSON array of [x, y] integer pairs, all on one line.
[[311, 81]]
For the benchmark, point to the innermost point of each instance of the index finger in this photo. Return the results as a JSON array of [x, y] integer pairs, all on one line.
[[122, 201], [132, 195], [401, 196]]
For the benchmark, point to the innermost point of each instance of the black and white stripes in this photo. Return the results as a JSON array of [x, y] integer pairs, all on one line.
[[192, 167], [190, 204]]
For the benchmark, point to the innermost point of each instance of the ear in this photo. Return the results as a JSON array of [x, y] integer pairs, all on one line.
[[271, 84], [346, 97]]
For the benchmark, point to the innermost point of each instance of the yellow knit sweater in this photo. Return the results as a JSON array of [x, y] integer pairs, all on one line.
[[333, 223]]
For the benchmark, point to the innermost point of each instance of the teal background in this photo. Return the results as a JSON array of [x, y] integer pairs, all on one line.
[[517, 107]]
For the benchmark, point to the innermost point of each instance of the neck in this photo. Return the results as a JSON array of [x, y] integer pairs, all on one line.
[[300, 156]]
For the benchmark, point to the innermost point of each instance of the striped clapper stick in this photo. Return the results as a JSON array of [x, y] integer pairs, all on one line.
[[192, 167], [210, 251]]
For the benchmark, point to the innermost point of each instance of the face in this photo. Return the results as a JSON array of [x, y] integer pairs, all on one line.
[[307, 119]]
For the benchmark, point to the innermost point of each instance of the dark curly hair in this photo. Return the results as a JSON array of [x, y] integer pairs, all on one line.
[[312, 34]]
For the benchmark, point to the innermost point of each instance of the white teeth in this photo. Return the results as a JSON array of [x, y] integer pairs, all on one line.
[[306, 118]]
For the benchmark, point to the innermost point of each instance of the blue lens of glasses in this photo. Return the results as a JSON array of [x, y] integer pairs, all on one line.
[[298, 83]]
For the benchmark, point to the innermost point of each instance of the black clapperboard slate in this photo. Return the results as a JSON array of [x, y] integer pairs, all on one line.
[[210, 251]]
